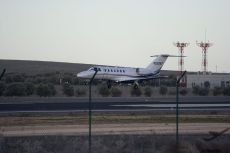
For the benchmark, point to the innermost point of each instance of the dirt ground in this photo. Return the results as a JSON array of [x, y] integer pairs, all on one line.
[[131, 128]]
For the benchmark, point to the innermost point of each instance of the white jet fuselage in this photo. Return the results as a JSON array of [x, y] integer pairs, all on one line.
[[118, 74], [122, 74]]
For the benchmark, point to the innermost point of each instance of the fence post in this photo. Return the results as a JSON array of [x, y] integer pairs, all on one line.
[[3, 72], [90, 108], [177, 107]]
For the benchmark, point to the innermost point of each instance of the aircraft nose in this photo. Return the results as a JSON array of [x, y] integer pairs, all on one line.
[[80, 75], [84, 74]]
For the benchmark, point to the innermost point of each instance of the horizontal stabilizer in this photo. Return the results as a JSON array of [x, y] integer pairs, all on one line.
[[167, 55]]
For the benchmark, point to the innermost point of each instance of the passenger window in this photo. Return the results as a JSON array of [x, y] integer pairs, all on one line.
[[111, 70], [108, 70], [123, 71], [120, 71]]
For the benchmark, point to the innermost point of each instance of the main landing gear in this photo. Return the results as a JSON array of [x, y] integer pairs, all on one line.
[[109, 84], [136, 85]]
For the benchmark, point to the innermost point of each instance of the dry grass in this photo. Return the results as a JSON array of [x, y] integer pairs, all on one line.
[[100, 118]]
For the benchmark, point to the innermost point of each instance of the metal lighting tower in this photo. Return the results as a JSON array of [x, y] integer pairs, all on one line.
[[181, 47], [204, 46]]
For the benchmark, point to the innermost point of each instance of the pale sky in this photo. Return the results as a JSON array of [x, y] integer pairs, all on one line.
[[115, 32]]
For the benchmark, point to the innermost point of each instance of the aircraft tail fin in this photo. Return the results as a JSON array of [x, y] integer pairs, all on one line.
[[158, 63]]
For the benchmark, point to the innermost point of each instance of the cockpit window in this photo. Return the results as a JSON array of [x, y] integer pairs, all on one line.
[[93, 68]]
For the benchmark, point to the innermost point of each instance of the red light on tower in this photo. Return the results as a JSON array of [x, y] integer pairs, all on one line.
[[204, 46]]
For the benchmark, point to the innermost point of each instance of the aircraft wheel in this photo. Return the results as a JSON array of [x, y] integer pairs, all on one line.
[[135, 86]]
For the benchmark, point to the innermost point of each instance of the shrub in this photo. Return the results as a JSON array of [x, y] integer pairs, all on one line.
[[200, 91], [183, 92], [163, 90], [29, 88], [8, 79], [46, 90], [76, 81], [217, 91], [40, 80], [136, 92], [2, 88], [207, 84], [203, 91], [15, 78], [104, 91], [226, 91], [16, 89], [52, 89], [80, 92], [115, 92], [172, 92], [148, 92], [42, 90], [19, 78], [67, 78], [54, 80], [68, 89], [195, 90]]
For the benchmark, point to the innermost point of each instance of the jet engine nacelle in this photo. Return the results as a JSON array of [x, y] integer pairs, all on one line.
[[141, 71]]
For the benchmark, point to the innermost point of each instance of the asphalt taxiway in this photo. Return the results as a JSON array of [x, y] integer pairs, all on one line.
[[113, 104]]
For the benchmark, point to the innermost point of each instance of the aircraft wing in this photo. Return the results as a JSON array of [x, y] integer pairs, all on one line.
[[127, 78]]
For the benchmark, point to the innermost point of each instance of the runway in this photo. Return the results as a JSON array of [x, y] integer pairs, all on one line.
[[72, 104]]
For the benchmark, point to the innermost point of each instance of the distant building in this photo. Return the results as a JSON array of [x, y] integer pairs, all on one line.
[[213, 80]]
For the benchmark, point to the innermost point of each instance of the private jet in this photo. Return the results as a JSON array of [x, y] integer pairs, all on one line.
[[114, 74]]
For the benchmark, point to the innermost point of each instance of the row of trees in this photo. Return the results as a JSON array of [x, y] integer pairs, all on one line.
[[16, 84], [61, 78], [27, 89], [52, 78], [45, 85], [136, 92], [115, 92], [224, 91], [45, 90], [203, 91]]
